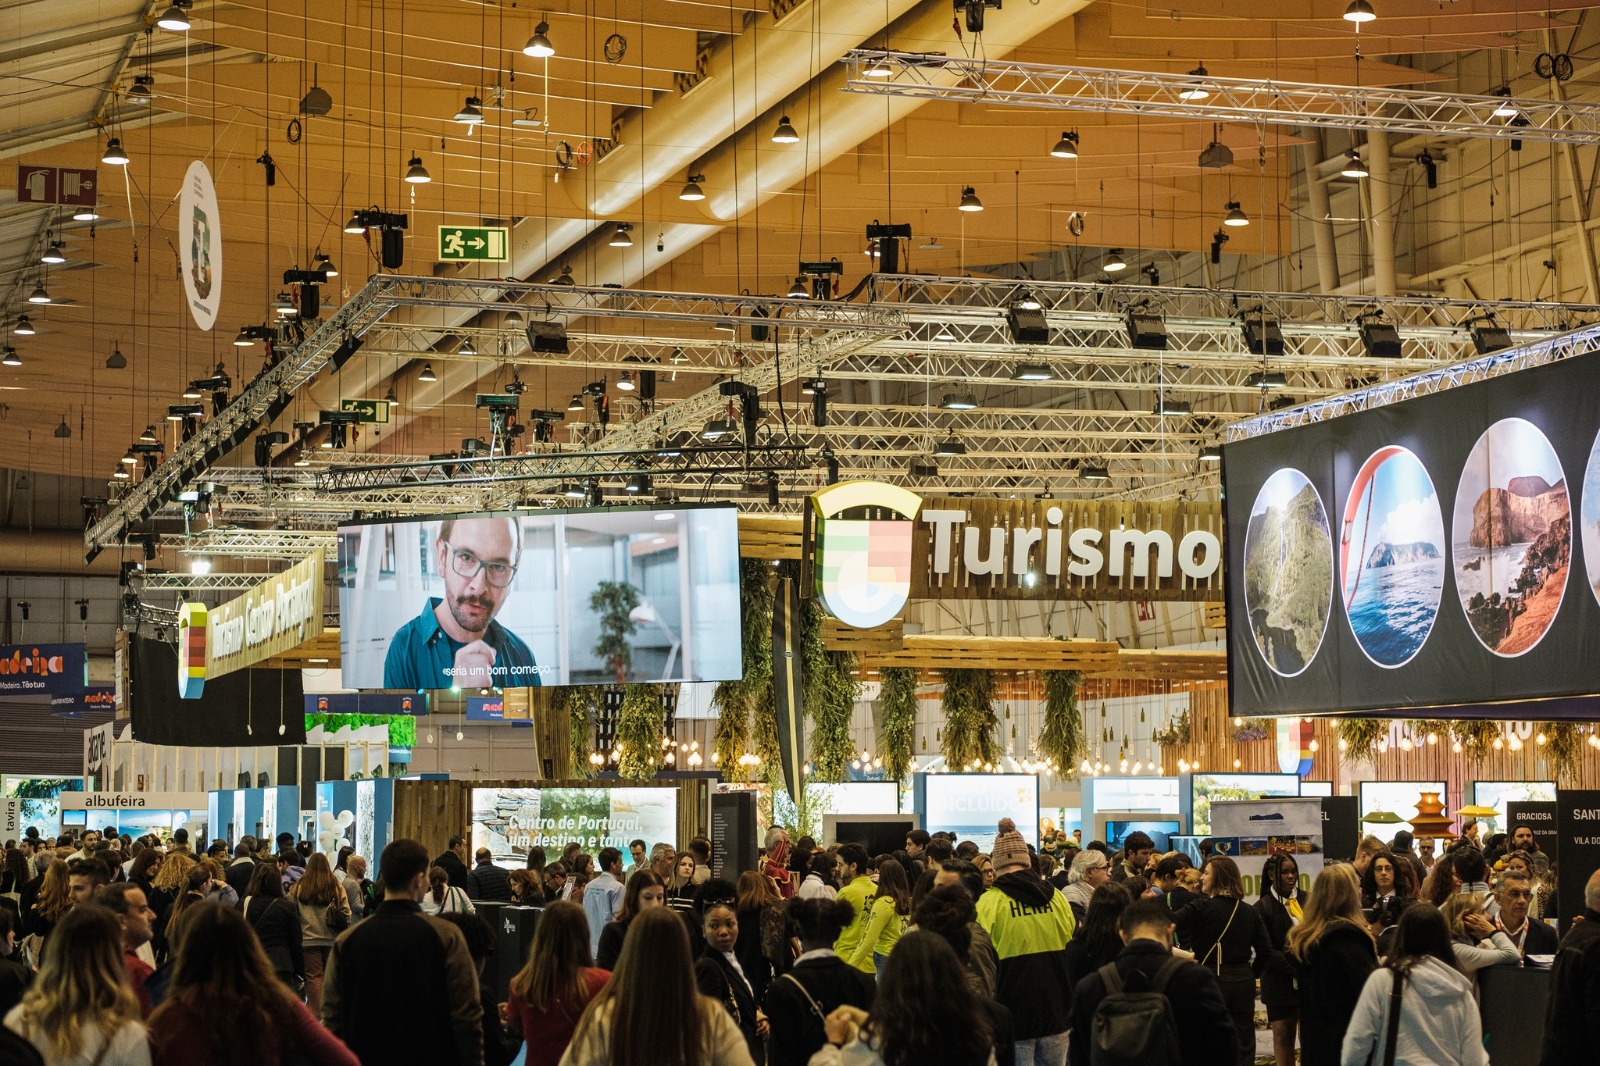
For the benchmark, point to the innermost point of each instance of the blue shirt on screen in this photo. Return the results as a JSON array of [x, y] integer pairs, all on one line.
[[421, 651]]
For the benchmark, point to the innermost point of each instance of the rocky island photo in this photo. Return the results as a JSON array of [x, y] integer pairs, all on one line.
[[1513, 537], [1288, 580], [1391, 562]]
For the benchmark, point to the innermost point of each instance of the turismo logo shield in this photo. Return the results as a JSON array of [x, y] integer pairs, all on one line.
[[861, 550]]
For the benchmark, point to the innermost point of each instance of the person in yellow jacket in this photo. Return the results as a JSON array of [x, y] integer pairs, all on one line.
[[886, 920], [858, 891]]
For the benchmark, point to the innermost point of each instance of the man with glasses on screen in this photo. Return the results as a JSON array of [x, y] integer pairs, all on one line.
[[455, 642]]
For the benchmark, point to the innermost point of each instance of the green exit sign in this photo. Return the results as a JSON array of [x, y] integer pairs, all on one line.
[[368, 410], [460, 244]]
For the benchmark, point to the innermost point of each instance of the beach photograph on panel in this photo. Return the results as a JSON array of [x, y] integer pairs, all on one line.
[[1512, 536], [1392, 556], [1288, 572]]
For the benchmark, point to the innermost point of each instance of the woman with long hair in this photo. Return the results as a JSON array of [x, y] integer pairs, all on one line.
[[1477, 942], [222, 989], [1388, 887], [549, 993], [444, 898], [1227, 938], [763, 944], [1439, 1023], [887, 915], [1332, 952], [196, 881], [276, 921], [924, 1011], [642, 892], [1097, 941], [1440, 884], [818, 983], [1280, 906], [682, 883], [81, 1008], [146, 865], [218, 890], [651, 1013], [582, 872], [170, 882], [324, 914], [51, 903]]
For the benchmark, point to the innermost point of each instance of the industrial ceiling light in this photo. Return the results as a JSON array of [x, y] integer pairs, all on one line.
[[324, 264], [565, 277], [539, 46], [785, 133], [390, 398], [625, 382], [948, 447], [114, 155], [691, 189], [622, 236], [879, 68], [24, 326], [129, 459], [53, 254], [1210, 453], [799, 290], [244, 339], [1032, 372], [572, 490], [1028, 301], [1095, 472], [514, 320], [192, 391], [1359, 11], [959, 401], [969, 200], [283, 306], [176, 17], [1267, 379], [416, 173], [944, 333], [1067, 146], [716, 429], [427, 374], [930, 244], [355, 226], [140, 92], [86, 213], [924, 468], [1114, 261], [471, 113], [39, 295], [116, 360], [1216, 156], [148, 436], [576, 403], [121, 474], [1197, 91], [1504, 109], [467, 348], [9, 356], [63, 431], [1235, 215], [1353, 166], [1167, 406]]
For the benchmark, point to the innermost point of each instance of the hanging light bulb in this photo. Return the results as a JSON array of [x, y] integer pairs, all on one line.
[[969, 200], [24, 327], [176, 17], [539, 46], [39, 295], [324, 264], [427, 374], [622, 236], [692, 190], [1235, 215], [785, 133], [53, 254], [416, 173], [1114, 261], [1067, 146], [1359, 11], [114, 155]]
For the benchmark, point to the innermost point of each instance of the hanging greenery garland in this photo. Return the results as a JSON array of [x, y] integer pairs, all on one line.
[[640, 726], [1361, 736], [1476, 736], [969, 718], [1562, 747], [732, 734], [897, 720], [751, 695], [577, 703], [1062, 739], [830, 697]]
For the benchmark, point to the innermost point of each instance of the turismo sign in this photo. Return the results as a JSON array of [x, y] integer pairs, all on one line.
[[42, 669], [282, 612]]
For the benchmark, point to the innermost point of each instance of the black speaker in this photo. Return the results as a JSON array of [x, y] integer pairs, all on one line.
[[1381, 339], [1263, 336], [394, 248], [1147, 331], [1028, 325]]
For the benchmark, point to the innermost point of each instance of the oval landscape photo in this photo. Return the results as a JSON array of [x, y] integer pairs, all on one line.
[[1392, 556], [1590, 514], [1288, 572], [1512, 536]]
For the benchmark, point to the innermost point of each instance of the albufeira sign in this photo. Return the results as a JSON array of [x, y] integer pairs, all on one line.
[[873, 546]]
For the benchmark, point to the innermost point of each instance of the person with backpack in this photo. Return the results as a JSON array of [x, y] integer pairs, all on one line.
[[798, 1003], [1149, 1007]]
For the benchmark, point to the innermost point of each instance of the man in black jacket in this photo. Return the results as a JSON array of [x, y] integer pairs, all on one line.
[[243, 868], [401, 985], [487, 881], [454, 863], [1572, 1021], [1514, 895], [1198, 1011]]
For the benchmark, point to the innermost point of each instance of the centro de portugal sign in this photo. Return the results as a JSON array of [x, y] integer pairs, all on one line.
[[873, 546]]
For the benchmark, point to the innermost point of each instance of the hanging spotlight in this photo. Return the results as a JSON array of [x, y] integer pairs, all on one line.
[[148, 436], [1196, 91], [1353, 166], [625, 382], [565, 277], [1235, 215], [427, 374], [785, 133], [1359, 11], [355, 226], [949, 447], [576, 404], [1067, 146], [139, 92], [539, 46], [799, 290], [114, 155], [324, 264], [24, 327], [1098, 472], [1114, 261], [129, 459], [692, 190], [9, 356], [959, 401], [622, 236], [1031, 372], [39, 295], [969, 200], [514, 320], [176, 17], [416, 173], [63, 431], [1504, 109], [284, 307], [1210, 453], [53, 254], [471, 113]]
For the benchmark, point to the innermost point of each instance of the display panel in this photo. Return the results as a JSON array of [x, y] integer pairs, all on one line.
[[509, 821], [1203, 788], [854, 797], [971, 805], [1445, 525], [1497, 794], [1114, 826], [541, 598], [1398, 797], [1316, 788]]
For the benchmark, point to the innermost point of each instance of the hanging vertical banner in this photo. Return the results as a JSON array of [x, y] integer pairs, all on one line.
[[194, 639], [787, 684], [1294, 746], [200, 245], [1578, 829]]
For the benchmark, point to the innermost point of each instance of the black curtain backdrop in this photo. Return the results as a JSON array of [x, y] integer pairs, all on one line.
[[238, 710]]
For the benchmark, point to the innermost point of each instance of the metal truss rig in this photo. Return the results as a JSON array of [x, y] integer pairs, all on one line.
[[1241, 100]]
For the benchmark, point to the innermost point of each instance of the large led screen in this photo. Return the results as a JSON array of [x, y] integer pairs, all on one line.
[[971, 805], [509, 821], [1420, 554], [541, 598]]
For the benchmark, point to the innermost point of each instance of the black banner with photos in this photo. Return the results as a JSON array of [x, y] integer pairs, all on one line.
[[1578, 828]]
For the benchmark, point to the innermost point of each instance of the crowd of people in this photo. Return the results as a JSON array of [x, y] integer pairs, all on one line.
[[120, 952]]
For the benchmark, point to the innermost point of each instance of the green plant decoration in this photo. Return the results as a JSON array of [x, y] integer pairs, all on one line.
[[737, 702], [1476, 736], [41, 787], [897, 720], [830, 697], [732, 735], [402, 727], [578, 703], [969, 717], [1062, 740], [614, 602], [1176, 731], [1419, 728], [641, 723], [1361, 736], [1562, 747]]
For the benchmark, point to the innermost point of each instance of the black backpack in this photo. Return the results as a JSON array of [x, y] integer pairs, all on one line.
[[15, 1051], [1135, 1028]]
